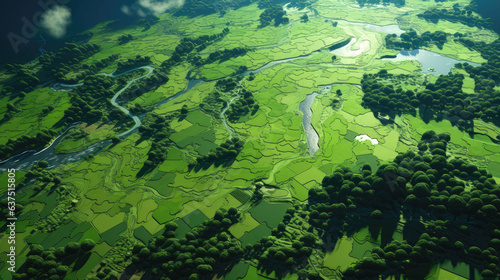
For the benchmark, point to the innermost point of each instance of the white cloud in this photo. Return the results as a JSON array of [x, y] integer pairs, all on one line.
[[126, 10], [156, 7], [56, 20], [159, 7]]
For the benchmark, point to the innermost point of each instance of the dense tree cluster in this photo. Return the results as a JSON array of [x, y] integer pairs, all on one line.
[[380, 94], [194, 8], [151, 83], [81, 38], [125, 39], [5, 212], [25, 142], [157, 129], [444, 98], [212, 104], [53, 264], [187, 45], [23, 80], [219, 55], [304, 18], [456, 14], [228, 84], [47, 110], [63, 61], [87, 70], [224, 154], [12, 109], [445, 201], [89, 102], [280, 255], [487, 75], [411, 40], [274, 14], [299, 4], [137, 109], [223, 55], [205, 251], [39, 172], [148, 21], [132, 63], [397, 3], [245, 105]]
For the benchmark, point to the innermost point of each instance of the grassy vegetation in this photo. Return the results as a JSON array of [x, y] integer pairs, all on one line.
[[109, 199]]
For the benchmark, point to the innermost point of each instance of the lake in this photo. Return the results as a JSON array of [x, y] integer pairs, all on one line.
[[441, 64]]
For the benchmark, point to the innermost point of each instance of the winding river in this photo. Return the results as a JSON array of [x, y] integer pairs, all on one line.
[[224, 121], [26, 159], [123, 109]]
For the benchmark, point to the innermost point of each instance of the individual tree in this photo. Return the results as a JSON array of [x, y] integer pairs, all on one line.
[[456, 204], [72, 248], [304, 18], [87, 245], [489, 210]]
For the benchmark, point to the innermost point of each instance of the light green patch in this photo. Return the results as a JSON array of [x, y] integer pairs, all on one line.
[[104, 222], [340, 257], [247, 224], [145, 207]]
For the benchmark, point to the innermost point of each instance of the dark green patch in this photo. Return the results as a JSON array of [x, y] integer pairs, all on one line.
[[238, 272], [50, 203], [327, 168], [57, 235], [271, 213], [36, 238], [255, 235], [195, 218], [160, 174], [66, 241], [143, 234], [182, 228], [81, 228], [350, 135], [366, 159], [112, 235], [161, 185]]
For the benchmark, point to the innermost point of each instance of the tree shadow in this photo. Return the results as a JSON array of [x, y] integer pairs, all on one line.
[[129, 272], [144, 170], [68, 260], [80, 262]]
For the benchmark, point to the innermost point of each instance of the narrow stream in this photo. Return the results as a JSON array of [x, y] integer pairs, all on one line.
[[123, 109], [27, 158], [224, 121]]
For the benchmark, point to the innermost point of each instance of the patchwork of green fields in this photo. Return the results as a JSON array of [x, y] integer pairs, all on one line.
[[108, 198]]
